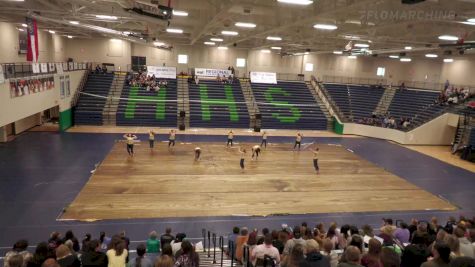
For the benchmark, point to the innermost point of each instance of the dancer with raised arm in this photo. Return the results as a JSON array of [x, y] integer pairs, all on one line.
[[197, 153], [315, 160], [151, 138], [129, 138]]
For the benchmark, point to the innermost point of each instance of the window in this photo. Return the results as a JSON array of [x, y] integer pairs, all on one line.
[[182, 59], [240, 62], [308, 67], [381, 71]]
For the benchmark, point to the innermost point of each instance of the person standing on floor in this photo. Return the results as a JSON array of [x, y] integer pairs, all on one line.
[[129, 138], [243, 154], [298, 140], [315, 160], [230, 138], [151, 138], [197, 153], [171, 138], [255, 151], [264, 139]]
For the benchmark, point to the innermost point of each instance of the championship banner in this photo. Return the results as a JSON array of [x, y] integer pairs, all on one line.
[[30, 85], [32, 53], [65, 66], [70, 66], [51, 67], [264, 77], [35, 67], [59, 68], [44, 67], [212, 72], [162, 72]]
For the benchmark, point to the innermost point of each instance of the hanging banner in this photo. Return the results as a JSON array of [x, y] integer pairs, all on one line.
[[70, 66], [162, 72], [212, 72], [35, 67], [2, 75], [51, 67], [264, 77], [65, 66], [61, 86], [59, 68], [44, 67]]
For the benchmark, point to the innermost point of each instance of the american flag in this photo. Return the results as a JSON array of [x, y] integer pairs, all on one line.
[[32, 53]]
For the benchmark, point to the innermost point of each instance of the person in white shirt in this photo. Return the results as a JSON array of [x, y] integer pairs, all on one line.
[[266, 249], [255, 151], [197, 153], [129, 138], [264, 139], [243, 154], [171, 138], [298, 140], [151, 138], [315, 160], [230, 138]]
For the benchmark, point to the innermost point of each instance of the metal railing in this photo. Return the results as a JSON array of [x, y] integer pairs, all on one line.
[[432, 86], [290, 77], [327, 100], [25, 69], [80, 88], [353, 80]]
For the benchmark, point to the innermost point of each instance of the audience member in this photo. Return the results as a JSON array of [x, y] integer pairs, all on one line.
[[167, 238], [241, 241], [373, 257], [14, 261], [389, 258], [189, 258], [141, 260], [462, 262], [164, 261], [50, 263], [329, 252], [153, 245], [353, 257], [313, 257], [297, 239], [65, 258], [40, 255], [466, 248], [117, 254], [402, 234], [260, 251], [176, 244], [19, 248], [441, 255], [296, 256], [454, 244], [92, 255]]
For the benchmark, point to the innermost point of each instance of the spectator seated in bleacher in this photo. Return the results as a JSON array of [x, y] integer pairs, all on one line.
[[104, 69], [98, 69]]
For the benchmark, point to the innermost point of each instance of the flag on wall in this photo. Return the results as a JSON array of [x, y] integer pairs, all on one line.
[[32, 54]]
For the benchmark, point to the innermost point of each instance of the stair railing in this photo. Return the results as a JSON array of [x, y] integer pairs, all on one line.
[[203, 232], [232, 251], [221, 245], [209, 244], [245, 256], [80, 88], [214, 248]]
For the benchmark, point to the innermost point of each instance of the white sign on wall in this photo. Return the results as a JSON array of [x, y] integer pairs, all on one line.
[[263, 77], [162, 72], [2, 76], [211, 72], [44, 67], [59, 68], [35, 67]]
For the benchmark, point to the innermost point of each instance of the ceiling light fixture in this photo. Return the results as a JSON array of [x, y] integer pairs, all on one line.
[[216, 39], [327, 27], [408, 48], [21, 30], [158, 43], [70, 37], [245, 25], [171, 30], [52, 32], [24, 25], [74, 22], [471, 20], [352, 57], [222, 48], [296, 2], [276, 48], [448, 60], [405, 59], [232, 33], [338, 52], [209, 43], [432, 56], [265, 51], [274, 38], [106, 17], [394, 56], [448, 38], [180, 13]]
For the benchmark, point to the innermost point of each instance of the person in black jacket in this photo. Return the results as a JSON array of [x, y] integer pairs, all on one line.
[[65, 258], [416, 253], [70, 236], [313, 256], [166, 238], [41, 254], [92, 255]]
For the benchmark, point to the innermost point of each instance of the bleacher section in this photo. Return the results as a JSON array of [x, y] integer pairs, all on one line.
[[471, 139], [409, 103], [217, 105], [89, 109], [279, 106], [139, 107], [355, 101]]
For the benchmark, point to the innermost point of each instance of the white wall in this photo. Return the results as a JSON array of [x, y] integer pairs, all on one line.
[[14, 109]]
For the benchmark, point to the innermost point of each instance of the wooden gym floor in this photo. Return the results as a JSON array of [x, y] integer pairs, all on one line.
[[168, 183]]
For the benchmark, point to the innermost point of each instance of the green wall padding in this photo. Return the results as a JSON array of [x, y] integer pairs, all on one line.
[[65, 120], [337, 127]]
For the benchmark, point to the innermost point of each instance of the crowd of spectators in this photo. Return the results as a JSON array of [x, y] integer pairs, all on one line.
[[148, 82], [164, 251], [426, 244], [100, 69], [453, 96], [386, 121]]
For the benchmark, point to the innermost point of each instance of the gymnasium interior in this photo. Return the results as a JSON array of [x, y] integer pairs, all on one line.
[[363, 112]]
